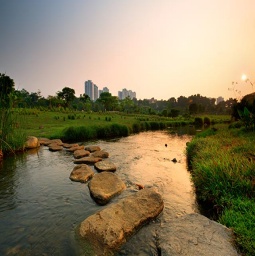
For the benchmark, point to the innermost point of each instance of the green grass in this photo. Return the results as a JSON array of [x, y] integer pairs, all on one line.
[[223, 172], [54, 123]]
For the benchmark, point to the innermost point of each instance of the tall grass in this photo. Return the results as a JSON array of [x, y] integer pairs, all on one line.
[[223, 172], [11, 138]]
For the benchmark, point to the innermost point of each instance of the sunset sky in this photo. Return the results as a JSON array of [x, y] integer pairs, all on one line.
[[157, 48]]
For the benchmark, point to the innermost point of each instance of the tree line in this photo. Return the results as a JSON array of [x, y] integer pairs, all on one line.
[[194, 104]]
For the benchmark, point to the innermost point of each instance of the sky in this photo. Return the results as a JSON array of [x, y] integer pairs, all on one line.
[[157, 48]]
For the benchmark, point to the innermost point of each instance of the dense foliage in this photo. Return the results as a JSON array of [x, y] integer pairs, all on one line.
[[192, 105]]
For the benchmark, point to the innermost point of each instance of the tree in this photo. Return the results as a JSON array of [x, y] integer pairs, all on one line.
[[67, 94], [6, 90], [107, 101]]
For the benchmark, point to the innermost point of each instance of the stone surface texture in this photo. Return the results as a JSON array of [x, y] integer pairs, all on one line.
[[80, 153], [105, 166], [104, 186], [74, 148], [101, 153], [32, 142], [87, 160], [194, 234], [92, 148], [109, 228], [81, 173]]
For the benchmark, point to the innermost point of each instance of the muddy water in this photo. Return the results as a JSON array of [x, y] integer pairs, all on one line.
[[40, 208]]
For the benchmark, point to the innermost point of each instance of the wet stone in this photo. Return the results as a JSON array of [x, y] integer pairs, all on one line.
[[87, 160], [105, 166], [92, 148], [32, 142], [110, 228], [67, 145], [44, 141], [104, 186], [74, 148], [101, 153], [80, 153], [81, 173], [55, 147]]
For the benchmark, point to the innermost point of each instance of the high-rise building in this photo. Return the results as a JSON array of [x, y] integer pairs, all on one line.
[[126, 93], [105, 89], [91, 90], [219, 99]]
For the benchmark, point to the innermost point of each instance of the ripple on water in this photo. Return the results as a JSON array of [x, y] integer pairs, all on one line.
[[41, 208]]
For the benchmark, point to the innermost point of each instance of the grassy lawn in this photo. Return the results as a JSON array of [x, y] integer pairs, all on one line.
[[51, 124], [223, 172]]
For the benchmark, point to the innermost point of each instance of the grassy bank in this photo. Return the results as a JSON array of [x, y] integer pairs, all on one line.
[[223, 172], [73, 126]]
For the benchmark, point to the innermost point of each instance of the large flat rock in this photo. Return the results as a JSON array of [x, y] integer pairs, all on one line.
[[81, 173], [109, 228], [80, 153], [194, 234], [92, 148], [104, 186], [105, 166], [101, 153], [87, 160]]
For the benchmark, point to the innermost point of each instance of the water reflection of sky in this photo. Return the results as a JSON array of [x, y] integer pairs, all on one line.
[[40, 208]]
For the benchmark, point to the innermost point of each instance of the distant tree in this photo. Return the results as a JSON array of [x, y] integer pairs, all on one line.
[[67, 95], [107, 101], [193, 108]]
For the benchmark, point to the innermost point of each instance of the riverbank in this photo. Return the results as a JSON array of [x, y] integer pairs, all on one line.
[[79, 126], [222, 164]]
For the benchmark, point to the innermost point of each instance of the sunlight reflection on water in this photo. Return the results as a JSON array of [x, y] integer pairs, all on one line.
[[40, 208]]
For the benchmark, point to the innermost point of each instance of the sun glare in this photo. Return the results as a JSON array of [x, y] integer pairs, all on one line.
[[244, 77]]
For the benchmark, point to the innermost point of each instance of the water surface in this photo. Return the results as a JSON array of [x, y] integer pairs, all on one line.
[[41, 209]]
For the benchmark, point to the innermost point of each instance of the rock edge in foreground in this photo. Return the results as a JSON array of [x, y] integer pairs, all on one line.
[[109, 228]]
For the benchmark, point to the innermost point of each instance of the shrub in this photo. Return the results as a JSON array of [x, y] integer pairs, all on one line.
[[198, 121]]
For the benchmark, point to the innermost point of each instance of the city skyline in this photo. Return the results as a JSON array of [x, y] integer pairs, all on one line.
[[158, 49]]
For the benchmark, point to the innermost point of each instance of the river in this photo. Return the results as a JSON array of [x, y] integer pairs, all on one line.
[[41, 208]]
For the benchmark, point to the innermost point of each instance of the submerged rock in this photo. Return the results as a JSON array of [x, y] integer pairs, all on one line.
[[87, 160], [81, 173], [105, 166], [92, 148], [101, 153], [32, 142], [109, 228], [80, 153], [104, 186]]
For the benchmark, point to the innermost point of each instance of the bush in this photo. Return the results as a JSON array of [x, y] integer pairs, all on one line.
[[198, 121]]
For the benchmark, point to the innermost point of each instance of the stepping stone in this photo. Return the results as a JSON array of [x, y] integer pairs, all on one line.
[[101, 153], [57, 141], [55, 147], [105, 166], [32, 142], [81, 173], [92, 148], [109, 228], [87, 160], [80, 153], [74, 148], [67, 145], [44, 141], [104, 186]]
